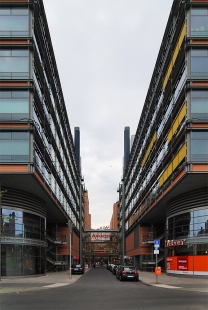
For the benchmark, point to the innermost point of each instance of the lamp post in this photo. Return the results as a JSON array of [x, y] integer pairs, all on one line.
[[70, 225], [123, 224], [80, 223]]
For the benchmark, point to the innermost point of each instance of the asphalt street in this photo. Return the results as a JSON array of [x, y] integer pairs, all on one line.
[[99, 289]]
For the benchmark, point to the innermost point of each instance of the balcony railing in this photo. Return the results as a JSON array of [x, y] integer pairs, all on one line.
[[149, 259], [56, 238], [151, 236], [56, 259]]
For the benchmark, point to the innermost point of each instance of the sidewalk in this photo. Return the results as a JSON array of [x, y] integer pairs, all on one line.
[[196, 284], [57, 279]]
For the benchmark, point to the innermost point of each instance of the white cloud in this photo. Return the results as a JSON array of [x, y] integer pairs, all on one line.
[[105, 52]]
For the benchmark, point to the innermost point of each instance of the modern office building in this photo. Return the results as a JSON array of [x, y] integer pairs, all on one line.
[[164, 190], [40, 173]]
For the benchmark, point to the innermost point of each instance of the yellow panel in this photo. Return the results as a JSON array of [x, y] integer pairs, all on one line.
[[170, 135], [161, 180], [175, 126], [175, 54], [182, 153], [165, 174], [182, 113], [175, 162], [149, 148], [182, 35], [173, 165], [170, 169]]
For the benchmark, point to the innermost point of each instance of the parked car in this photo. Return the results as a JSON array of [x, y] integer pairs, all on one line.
[[114, 269], [108, 266], [77, 269], [127, 273], [111, 267]]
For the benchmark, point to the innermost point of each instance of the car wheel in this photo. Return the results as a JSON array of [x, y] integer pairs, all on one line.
[[136, 280]]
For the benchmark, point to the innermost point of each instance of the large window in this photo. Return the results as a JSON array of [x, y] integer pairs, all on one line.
[[14, 64], [199, 63], [14, 22], [199, 22], [20, 224], [14, 105], [14, 146], [199, 104], [199, 146], [22, 260], [192, 224]]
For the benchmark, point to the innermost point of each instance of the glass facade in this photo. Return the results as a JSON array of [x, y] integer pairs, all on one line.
[[14, 146], [170, 147], [199, 22], [14, 64], [22, 260], [14, 105], [14, 22], [35, 137], [192, 227], [199, 106], [199, 146], [22, 227], [21, 224], [199, 63]]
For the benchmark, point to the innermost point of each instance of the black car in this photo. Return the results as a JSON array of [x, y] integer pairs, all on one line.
[[77, 269], [127, 273]]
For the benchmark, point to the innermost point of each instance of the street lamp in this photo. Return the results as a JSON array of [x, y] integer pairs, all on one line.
[[80, 223], [70, 225]]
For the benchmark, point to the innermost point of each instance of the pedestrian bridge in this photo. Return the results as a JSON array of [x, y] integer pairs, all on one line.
[[101, 246]]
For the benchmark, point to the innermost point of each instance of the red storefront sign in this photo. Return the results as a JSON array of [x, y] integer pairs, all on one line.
[[174, 242], [182, 263]]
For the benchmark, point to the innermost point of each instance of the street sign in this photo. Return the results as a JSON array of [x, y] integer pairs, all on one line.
[[156, 243], [156, 251]]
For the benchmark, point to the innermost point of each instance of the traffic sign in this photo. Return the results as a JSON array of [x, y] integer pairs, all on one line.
[[156, 251], [156, 243]]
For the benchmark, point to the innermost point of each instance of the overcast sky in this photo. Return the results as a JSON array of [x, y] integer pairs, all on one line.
[[105, 52]]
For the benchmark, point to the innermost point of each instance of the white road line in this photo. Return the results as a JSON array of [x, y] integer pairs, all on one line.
[[166, 286], [57, 285]]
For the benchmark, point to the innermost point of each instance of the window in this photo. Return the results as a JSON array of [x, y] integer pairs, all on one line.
[[199, 63], [199, 146], [199, 106], [199, 22], [14, 22], [14, 146], [14, 64], [193, 224], [14, 105]]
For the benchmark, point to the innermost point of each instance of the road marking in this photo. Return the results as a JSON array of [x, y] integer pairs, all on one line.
[[166, 286], [56, 285]]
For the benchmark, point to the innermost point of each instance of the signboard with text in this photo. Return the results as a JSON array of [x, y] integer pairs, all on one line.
[[100, 236]]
